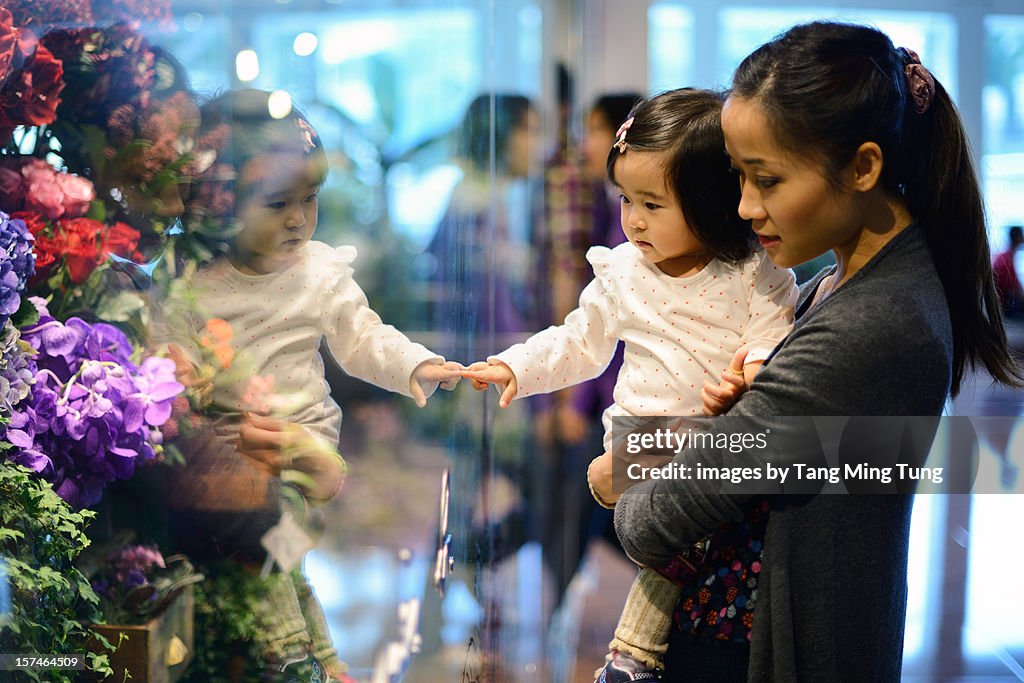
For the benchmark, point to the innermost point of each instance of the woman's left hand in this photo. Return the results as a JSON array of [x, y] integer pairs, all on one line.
[[277, 445], [599, 476]]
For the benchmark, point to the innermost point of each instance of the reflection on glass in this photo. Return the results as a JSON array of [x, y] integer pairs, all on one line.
[[670, 51], [1002, 166]]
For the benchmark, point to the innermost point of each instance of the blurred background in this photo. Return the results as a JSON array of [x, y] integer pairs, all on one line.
[[472, 234]]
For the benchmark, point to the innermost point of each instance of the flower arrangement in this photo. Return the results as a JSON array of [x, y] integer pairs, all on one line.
[[135, 582], [97, 129], [95, 133], [93, 411]]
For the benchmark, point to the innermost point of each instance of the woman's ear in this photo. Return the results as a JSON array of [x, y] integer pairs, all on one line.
[[866, 166]]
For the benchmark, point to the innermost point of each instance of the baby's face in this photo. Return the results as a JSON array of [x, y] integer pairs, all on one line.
[[279, 214]]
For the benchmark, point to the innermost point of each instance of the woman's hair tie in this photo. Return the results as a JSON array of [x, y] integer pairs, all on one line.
[[620, 135], [920, 81]]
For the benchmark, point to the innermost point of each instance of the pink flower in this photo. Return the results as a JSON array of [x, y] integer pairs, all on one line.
[[257, 393], [42, 191], [78, 193]]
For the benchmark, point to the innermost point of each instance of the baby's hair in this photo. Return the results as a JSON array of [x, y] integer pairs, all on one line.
[[254, 132], [686, 124], [826, 88], [474, 137]]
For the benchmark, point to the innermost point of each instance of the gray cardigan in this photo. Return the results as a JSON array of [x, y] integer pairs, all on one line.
[[833, 588]]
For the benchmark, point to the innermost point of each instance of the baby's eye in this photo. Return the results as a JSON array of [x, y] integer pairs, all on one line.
[[276, 206], [651, 206], [624, 199], [311, 198]]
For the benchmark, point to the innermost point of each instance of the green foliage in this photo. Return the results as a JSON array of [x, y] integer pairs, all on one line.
[[51, 600], [225, 623]]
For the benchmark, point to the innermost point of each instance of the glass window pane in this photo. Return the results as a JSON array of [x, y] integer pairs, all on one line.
[[1002, 167], [931, 34], [670, 46]]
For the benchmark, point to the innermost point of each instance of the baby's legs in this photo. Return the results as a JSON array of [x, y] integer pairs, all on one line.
[[641, 637], [321, 646], [283, 637], [294, 635], [646, 619]]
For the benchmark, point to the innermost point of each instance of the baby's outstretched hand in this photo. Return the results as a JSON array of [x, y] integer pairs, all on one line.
[[719, 399], [484, 374], [428, 375]]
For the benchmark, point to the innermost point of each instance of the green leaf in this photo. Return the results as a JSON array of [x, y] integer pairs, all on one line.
[[26, 314]]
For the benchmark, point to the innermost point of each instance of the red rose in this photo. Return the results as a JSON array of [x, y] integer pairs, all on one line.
[[32, 93], [49, 250], [120, 239], [81, 247], [35, 223]]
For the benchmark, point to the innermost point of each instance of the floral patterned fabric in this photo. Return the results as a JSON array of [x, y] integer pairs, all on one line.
[[719, 602]]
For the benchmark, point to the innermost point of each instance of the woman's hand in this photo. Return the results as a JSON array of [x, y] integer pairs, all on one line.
[[277, 445], [599, 477], [484, 374]]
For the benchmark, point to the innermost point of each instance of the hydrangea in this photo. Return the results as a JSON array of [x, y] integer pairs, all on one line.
[[17, 264], [16, 373], [93, 413]]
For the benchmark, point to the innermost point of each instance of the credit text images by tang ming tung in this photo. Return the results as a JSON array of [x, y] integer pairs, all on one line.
[[808, 455]]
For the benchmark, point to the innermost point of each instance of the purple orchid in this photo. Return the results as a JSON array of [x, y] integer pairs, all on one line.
[[92, 414]]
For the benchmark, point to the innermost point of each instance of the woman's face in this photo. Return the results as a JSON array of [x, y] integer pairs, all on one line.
[[795, 212], [523, 154], [596, 143]]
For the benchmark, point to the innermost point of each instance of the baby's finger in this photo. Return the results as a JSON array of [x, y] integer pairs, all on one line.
[[417, 394], [480, 386], [507, 395]]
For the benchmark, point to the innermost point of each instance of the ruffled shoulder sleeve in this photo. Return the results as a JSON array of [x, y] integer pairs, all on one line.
[[612, 270], [333, 263]]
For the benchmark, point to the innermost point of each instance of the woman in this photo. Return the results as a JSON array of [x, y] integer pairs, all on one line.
[[842, 142]]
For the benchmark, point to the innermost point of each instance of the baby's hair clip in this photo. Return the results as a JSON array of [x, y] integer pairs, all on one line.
[[309, 136], [620, 135]]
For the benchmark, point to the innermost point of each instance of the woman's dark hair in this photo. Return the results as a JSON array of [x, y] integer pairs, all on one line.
[[479, 122], [686, 123], [826, 88], [614, 108]]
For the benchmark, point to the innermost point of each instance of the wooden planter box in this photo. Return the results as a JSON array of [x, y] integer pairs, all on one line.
[[158, 651]]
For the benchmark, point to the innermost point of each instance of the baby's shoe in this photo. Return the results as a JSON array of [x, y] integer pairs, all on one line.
[[621, 668]]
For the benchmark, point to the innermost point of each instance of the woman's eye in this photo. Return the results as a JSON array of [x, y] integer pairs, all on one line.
[[766, 182]]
